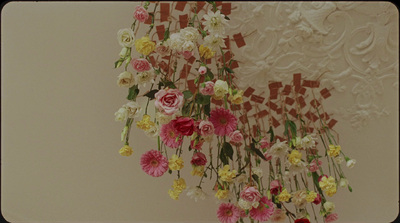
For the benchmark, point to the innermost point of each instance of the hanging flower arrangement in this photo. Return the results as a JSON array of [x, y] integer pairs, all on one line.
[[267, 161]]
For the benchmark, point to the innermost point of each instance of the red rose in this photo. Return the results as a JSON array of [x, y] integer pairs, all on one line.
[[302, 220], [317, 200], [184, 125], [199, 159]]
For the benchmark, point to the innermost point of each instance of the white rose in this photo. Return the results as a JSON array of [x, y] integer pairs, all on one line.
[[189, 34], [188, 46], [126, 37], [220, 88], [133, 109], [152, 132], [145, 77], [121, 114], [126, 79], [175, 42], [350, 163], [329, 206]]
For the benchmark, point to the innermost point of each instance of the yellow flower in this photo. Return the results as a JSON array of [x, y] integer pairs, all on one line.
[[327, 183], [226, 175], [311, 196], [331, 191], [197, 171], [174, 194], [237, 98], [126, 151], [222, 194], [179, 185], [333, 150], [206, 52], [145, 124], [284, 196], [144, 45], [294, 157], [175, 163]]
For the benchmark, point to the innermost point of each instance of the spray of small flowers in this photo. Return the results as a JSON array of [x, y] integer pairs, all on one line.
[[260, 171]]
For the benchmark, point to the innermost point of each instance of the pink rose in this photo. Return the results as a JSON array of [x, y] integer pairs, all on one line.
[[236, 136], [331, 217], [250, 194], [202, 70], [317, 200], [314, 166], [140, 65], [184, 125], [186, 54], [264, 143], [267, 156], [196, 144], [275, 187], [168, 101], [206, 128], [208, 89], [162, 50], [141, 14], [199, 159]]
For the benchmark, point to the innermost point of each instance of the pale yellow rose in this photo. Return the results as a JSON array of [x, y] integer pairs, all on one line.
[[237, 98], [144, 45], [220, 89], [294, 157], [126, 37], [206, 52], [222, 194]]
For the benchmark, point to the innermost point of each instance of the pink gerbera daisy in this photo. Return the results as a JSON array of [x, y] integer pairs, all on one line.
[[228, 213], [264, 210], [223, 120], [170, 136], [154, 163]]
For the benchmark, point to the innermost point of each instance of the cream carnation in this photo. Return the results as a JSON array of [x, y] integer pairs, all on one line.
[[220, 88]]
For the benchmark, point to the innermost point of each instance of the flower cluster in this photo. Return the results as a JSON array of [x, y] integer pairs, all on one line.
[[257, 171]]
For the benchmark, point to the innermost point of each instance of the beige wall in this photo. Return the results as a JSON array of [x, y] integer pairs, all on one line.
[[59, 140]]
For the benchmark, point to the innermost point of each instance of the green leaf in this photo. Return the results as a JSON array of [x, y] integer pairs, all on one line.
[[227, 18], [229, 70], [228, 150], [187, 94], [118, 63], [271, 131], [151, 94], [203, 99], [166, 34], [255, 177], [209, 75], [350, 189], [133, 93], [186, 108], [257, 151], [207, 109], [223, 158]]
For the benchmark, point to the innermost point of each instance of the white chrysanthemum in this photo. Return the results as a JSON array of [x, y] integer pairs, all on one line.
[[126, 37], [279, 149], [121, 114], [339, 159], [145, 77], [175, 42], [214, 42], [196, 193], [133, 109], [189, 34], [215, 22]]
